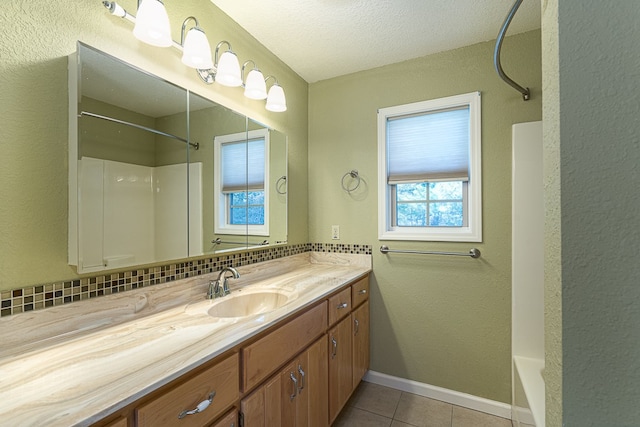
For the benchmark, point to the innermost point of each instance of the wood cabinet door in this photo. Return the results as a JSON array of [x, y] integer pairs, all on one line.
[[314, 363], [229, 420], [262, 408], [340, 369], [289, 395], [360, 349]]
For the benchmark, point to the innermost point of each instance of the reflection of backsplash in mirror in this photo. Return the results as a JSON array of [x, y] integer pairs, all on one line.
[[64, 292]]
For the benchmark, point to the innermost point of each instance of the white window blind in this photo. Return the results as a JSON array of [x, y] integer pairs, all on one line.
[[237, 158], [430, 146]]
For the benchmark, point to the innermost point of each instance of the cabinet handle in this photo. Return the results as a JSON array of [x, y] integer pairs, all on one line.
[[201, 406], [343, 305], [357, 326], [295, 386], [362, 291], [302, 375], [335, 347]]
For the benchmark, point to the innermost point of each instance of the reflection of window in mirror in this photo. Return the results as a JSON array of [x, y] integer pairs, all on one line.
[[241, 183]]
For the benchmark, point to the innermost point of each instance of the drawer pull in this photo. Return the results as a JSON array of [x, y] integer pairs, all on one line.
[[357, 326], [201, 406], [335, 347], [295, 386], [362, 291], [301, 372], [343, 305]]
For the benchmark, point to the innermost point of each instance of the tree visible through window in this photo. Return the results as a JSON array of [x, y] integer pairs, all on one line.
[[430, 204], [246, 207]]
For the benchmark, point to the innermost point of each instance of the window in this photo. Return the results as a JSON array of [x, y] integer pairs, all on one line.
[[240, 183], [429, 178]]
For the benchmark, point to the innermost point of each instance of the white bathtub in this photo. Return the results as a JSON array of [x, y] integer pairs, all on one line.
[[528, 398]]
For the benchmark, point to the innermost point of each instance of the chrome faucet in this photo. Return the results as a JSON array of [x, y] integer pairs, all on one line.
[[214, 285]]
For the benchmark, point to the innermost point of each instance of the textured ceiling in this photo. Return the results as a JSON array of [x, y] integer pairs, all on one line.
[[321, 39]]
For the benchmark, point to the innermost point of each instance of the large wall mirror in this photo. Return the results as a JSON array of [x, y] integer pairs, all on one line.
[[158, 173]]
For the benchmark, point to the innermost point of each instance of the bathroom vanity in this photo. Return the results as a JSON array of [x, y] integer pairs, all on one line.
[[164, 355]]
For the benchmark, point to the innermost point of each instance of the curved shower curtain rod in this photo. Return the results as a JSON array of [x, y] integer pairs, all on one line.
[[526, 93]]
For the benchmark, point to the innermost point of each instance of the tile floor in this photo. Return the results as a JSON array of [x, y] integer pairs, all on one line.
[[373, 405]]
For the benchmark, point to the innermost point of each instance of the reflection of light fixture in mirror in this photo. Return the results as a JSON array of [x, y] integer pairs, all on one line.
[[196, 50], [228, 67], [276, 101], [152, 24], [255, 86]]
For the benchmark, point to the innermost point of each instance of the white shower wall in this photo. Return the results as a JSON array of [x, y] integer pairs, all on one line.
[[527, 342], [131, 214]]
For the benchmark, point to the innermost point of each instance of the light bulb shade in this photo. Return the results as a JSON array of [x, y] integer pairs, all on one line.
[[255, 87], [196, 50], [228, 71], [152, 24], [276, 101]]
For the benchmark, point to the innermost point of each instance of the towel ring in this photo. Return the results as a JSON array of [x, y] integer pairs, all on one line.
[[282, 180], [354, 175]]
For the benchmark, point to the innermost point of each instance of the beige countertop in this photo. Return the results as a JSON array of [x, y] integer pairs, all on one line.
[[78, 363]]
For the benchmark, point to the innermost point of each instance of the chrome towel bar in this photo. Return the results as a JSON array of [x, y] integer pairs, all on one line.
[[219, 241], [473, 252]]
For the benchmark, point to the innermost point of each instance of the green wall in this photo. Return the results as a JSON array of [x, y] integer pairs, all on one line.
[[441, 321], [592, 152], [34, 117]]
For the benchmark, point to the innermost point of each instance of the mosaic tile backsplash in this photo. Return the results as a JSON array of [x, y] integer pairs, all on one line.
[[58, 293]]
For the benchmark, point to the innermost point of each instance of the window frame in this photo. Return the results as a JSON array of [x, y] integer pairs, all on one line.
[[221, 209], [472, 231]]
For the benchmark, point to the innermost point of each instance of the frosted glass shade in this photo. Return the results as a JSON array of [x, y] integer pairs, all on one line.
[[196, 50], [228, 71], [255, 87], [152, 24], [276, 101]]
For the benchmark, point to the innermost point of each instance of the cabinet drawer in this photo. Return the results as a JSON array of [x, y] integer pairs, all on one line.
[[122, 422], [360, 291], [264, 356], [223, 378], [339, 305]]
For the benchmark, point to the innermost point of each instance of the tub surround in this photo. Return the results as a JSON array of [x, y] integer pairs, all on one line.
[[78, 363]]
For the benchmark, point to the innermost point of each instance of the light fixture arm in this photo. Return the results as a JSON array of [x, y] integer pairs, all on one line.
[[184, 27], [255, 67], [117, 10], [215, 61], [271, 77]]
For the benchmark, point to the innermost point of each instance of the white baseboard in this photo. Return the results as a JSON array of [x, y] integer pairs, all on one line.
[[469, 401]]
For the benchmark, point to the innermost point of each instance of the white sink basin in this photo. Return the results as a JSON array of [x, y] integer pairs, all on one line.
[[242, 304]]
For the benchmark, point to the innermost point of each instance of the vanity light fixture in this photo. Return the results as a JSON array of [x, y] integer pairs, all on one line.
[[255, 86], [196, 50], [276, 101], [152, 27], [152, 24], [225, 71], [228, 67], [117, 10]]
